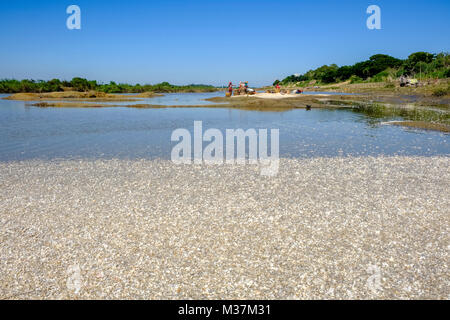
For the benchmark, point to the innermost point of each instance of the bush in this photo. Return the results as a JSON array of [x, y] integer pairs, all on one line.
[[380, 68], [440, 92], [83, 85], [447, 73], [355, 79], [380, 77]]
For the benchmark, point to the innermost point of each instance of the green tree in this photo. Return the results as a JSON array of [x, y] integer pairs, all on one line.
[[416, 61], [80, 84]]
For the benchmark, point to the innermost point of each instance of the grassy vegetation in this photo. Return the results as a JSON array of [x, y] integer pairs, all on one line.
[[441, 92], [76, 96], [379, 110], [83, 85], [379, 68]]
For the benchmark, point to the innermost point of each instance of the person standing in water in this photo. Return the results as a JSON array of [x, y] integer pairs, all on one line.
[[230, 87]]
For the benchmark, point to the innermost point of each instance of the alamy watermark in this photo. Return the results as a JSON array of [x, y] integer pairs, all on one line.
[[74, 20], [74, 280], [374, 21], [235, 147], [374, 281]]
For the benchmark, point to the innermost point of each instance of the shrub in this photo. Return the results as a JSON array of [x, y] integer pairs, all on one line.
[[355, 79], [380, 77], [440, 92], [379, 68], [447, 73]]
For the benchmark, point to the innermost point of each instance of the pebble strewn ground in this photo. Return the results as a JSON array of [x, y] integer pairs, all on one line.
[[323, 228]]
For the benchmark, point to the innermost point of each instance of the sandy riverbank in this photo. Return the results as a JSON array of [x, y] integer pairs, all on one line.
[[277, 96], [430, 93], [323, 228], [90, 96]]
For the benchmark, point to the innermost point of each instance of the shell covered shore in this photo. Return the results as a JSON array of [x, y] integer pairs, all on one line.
[[337, 228]]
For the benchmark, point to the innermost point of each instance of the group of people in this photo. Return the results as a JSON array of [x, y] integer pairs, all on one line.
[[241, 89], [244, 89], [242, 86], [278, 90]]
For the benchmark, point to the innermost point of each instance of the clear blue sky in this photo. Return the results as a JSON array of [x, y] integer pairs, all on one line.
[[209, 41]]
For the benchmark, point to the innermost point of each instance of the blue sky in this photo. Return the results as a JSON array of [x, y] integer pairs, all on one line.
[[209, 41]]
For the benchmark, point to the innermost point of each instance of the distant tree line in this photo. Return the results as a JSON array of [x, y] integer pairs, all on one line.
[[82, 85], [378, 68]]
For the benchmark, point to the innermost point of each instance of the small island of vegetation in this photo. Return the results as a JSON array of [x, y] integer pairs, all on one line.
[[84, 85]]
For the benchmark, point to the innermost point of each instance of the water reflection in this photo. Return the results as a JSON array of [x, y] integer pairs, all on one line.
[[28, 132]]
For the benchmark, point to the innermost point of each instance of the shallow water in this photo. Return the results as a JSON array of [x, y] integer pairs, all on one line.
[[68, 133], [183, 99], [177, 99]]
